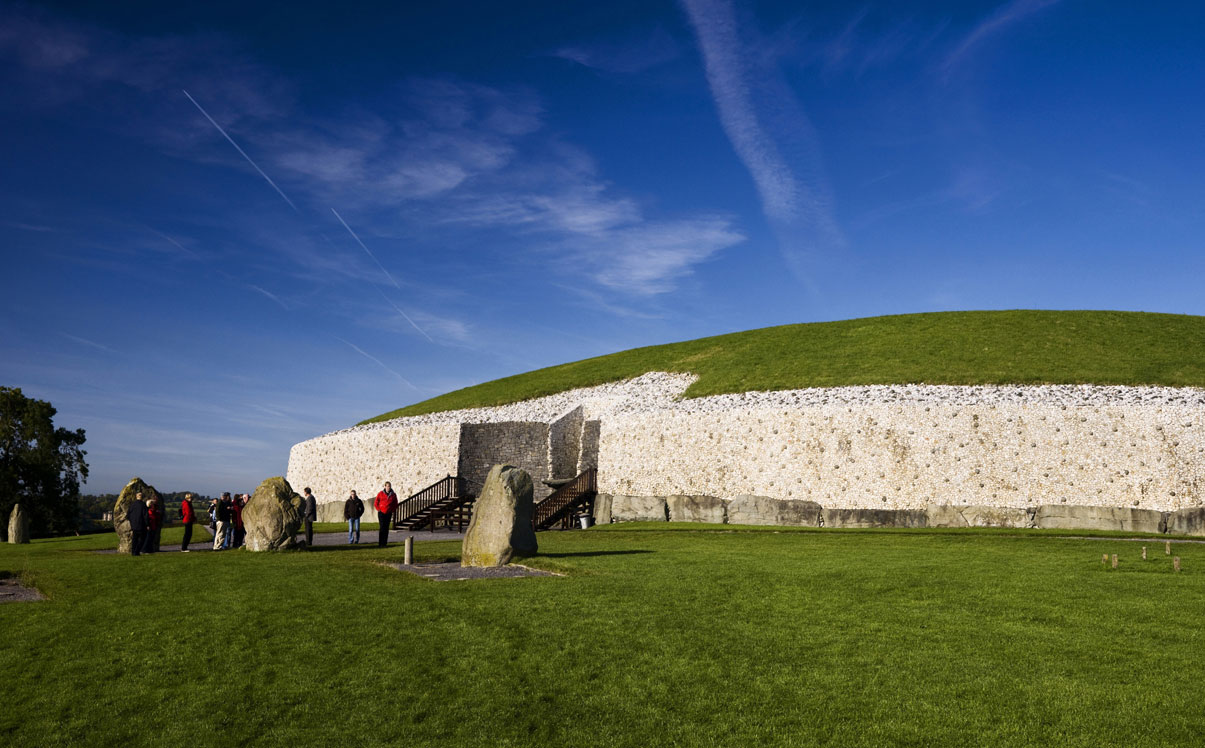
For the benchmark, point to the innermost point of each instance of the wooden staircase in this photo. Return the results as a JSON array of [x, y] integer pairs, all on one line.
[[444, 503], [575, 497]]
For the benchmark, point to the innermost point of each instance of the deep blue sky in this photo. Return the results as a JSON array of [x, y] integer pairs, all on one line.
[[539, 182]]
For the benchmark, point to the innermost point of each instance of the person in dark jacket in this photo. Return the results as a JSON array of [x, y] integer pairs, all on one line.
[[309, 513], [221, 538], [137, 516], [237, 531], [385, 505], [186, 516], [353, 509]]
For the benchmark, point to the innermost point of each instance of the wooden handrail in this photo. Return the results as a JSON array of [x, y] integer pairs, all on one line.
[[446, 488], [564, 497]]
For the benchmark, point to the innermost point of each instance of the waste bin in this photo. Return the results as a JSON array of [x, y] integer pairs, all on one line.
[[585, 520]]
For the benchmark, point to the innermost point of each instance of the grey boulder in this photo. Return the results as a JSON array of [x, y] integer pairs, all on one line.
[[501, 525], [272, 516]]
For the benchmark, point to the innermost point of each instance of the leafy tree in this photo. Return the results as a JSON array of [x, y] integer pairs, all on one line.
[[41, 467]]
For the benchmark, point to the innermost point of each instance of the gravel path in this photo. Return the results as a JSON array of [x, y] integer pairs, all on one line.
[[11, 591]]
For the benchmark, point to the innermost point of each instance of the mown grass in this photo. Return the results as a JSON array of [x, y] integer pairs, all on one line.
[[656, 636], [991, 347]]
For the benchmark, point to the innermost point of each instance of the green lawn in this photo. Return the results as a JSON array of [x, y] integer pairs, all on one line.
[[700, 637], [1007, 347]]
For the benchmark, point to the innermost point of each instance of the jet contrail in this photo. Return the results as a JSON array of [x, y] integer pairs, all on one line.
[[387, 275], [267, 178], [371, 357], [365, 248]]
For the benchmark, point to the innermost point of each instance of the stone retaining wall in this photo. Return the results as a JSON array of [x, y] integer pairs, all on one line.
[[1127, 457], [914, 455]]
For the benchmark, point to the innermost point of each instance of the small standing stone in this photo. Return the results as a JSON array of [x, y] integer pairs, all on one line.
[[1176, 563], [1144, 553], [1167, 547], [1114, 560], [18, 526], [1104, 559], [408, 557]]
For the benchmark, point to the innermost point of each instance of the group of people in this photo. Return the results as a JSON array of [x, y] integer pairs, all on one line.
[[226, 521], [353, 509], [146, 524], [146, 519]]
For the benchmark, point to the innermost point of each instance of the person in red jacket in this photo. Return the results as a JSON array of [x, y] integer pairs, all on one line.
[[186, 517], [154, 513], [385, 504]]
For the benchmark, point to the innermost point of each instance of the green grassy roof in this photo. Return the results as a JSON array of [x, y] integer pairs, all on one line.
[[1006, 347]]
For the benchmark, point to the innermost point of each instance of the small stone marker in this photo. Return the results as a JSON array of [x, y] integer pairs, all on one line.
[[1114, 560], [1144, 553], [1167, 548], [1104, 559], [1176, 563], [408, 557]]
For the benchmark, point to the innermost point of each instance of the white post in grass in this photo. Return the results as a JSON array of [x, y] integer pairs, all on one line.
[[408, 558]]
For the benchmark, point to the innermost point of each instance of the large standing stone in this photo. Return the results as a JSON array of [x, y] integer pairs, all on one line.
[[272, 516], [501, 526], [18, 526], [121, 521], [763, 510], [696, 509], [638, 508], [602, 509]]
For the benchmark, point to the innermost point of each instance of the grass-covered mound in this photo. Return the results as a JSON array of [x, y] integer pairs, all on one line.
[[1006, 347], [657, 636]]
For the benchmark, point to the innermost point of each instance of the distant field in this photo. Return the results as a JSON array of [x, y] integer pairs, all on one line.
[[701, 636], [1007, 347]]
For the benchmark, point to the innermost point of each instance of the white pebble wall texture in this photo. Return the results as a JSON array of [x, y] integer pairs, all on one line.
[[410, 457], [914, 455]]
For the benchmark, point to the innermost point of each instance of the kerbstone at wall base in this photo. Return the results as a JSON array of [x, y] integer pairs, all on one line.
[[763, 510], [875, 518], [696, 509], [1072, 517], [638, 508], [1187, 521], [955, 515], [602, 509], [332, 511]]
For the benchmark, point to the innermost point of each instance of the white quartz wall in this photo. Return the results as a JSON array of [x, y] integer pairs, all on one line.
[[906, 455], [411, 457]]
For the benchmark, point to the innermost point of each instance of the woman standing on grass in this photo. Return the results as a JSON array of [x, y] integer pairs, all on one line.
[[353, 509], [186, 517], [385, 504]]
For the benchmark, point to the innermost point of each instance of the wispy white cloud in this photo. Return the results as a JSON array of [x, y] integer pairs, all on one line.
[[270, 295], [1003, 17], [626, 55], [770, 133]]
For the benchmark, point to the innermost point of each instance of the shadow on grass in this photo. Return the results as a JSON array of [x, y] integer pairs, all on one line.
[[584, 554]]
